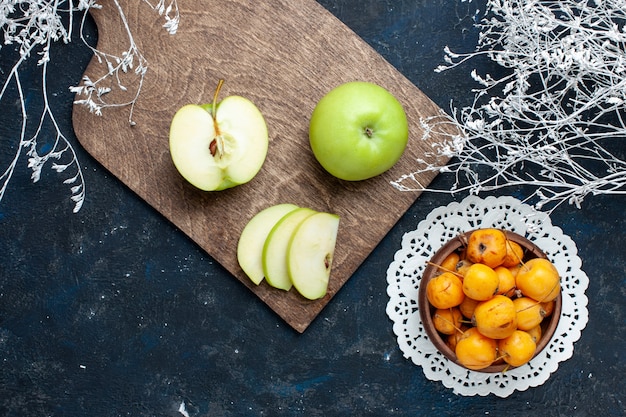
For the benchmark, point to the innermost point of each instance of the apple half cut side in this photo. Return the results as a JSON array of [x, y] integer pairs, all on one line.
[[253, 236], [310, 254], [274, 256], [215, 152]]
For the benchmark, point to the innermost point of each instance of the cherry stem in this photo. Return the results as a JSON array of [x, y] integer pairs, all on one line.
[[450, 322], [444, 269], [508, 365]]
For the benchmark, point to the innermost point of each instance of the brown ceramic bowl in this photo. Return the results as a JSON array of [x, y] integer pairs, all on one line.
[[427, 310]]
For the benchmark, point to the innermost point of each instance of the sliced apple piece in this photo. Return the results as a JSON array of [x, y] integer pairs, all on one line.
[[310, 254], [253, 236], [274, 257]]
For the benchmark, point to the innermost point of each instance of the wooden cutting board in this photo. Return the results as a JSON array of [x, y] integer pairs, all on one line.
[[282, 55]]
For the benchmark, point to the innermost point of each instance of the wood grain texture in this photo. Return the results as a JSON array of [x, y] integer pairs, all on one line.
[[284, 56]]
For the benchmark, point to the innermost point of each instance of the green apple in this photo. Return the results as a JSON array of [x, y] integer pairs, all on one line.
[[289, 246], [253, 236], [358, 131], [310, 254], [274, 255], [219, 145]]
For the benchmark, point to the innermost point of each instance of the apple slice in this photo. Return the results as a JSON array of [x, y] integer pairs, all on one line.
[[219, 145], [253, 236], [310, 254], [274, 256]]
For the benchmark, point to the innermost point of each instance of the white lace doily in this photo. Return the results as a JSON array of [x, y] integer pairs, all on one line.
[[444, 223]]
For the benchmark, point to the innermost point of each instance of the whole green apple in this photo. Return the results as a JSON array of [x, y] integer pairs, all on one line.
[[358, 131]]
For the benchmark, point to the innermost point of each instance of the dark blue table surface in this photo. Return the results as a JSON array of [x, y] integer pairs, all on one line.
[[114, 312]]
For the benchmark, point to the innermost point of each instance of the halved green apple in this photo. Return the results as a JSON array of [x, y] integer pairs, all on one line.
[[253, 236], [219, 145], [274, 255], [310, 254]]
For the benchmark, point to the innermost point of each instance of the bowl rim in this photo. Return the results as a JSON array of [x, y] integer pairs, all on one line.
[[426, 309]]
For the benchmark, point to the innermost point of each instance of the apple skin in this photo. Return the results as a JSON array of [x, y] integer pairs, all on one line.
[[274, 255], [242, 132], [253, 237], [310, 254], [358, 131]]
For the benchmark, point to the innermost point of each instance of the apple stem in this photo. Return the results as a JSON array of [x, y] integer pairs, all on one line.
[[215, 95], [215, 145]]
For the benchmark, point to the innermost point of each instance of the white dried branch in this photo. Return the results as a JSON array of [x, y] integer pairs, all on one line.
[[92, 93], [169, 12], [549, 121], [30, 27]]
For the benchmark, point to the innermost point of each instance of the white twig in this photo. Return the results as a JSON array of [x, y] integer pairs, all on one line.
[[32, 26], [552, 118]]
